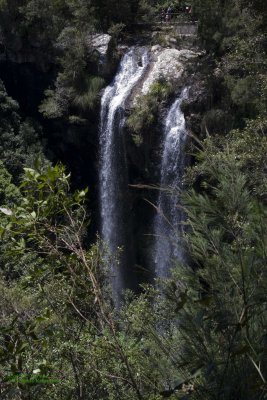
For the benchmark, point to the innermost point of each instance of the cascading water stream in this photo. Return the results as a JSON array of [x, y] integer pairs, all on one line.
[[113, 178], [167, 224]]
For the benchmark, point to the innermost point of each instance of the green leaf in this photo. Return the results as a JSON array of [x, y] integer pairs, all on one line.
[[21, 347], [6, 211], [33, 214]]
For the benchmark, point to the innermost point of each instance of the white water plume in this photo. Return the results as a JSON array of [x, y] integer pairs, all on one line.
[[113, 179], [167, 225]]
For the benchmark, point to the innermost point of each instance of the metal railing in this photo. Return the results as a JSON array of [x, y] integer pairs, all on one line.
[[173, 18]]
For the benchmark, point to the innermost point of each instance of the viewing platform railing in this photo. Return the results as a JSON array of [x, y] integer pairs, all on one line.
[[173, 18]]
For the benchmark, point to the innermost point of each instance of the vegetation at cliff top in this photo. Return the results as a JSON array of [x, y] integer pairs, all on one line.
[[144, 115]]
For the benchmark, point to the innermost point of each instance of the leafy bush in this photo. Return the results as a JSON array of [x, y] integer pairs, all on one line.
[[20, 140], [87, 92], [248, 147], [145, 113], [216, 121]]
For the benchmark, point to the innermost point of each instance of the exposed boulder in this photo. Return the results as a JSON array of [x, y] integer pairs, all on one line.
[[100, 42], [168, 64], [103, 45]]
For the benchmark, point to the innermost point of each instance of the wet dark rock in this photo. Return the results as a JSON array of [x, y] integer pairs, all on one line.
[[197, 103]]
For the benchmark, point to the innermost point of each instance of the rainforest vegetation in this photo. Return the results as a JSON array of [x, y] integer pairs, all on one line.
[[203, 334]]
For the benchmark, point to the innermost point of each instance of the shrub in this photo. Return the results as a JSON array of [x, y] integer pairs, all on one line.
[[145, 113]]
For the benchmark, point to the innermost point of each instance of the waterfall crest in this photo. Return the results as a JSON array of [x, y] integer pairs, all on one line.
[[113, 178], [167, 223]]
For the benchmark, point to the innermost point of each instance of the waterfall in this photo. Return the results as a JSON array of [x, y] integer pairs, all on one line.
[[167, 224], [113, 178]]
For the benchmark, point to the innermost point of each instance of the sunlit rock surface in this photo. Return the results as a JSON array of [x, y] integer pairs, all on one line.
[[100, 42], [167, 64]]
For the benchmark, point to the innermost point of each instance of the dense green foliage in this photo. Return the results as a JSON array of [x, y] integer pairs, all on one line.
[[206, 334], [144, 115], [20, 141], [235, 34]]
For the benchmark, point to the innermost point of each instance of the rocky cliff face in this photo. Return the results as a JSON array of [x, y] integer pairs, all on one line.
[[175, 68], [168, 64]]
